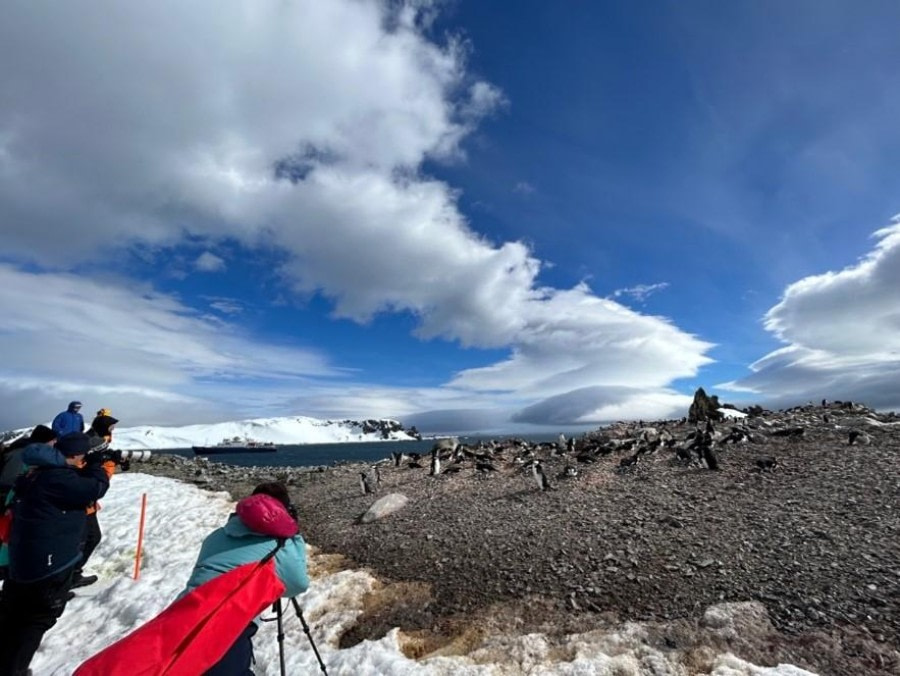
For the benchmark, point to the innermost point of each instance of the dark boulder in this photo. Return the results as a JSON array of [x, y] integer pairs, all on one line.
[[704, 407]]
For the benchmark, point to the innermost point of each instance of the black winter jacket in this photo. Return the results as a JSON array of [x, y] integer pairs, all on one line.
[[48, 513]]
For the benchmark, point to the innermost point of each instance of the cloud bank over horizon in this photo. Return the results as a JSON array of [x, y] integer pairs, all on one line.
[[841, 335]]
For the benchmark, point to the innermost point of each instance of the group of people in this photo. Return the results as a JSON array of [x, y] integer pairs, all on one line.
[[50, 484]]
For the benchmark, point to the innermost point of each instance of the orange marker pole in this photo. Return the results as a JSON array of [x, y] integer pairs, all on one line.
[[140, 545]]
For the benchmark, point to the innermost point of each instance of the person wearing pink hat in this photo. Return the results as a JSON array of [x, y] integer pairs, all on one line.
[[260, 521]]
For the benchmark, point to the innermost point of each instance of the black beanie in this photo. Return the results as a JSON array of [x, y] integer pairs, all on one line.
[[42, 434], [275, 489], [102, 423], [77, 443]]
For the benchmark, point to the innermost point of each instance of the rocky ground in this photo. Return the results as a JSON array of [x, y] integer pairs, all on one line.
[[815, 540]]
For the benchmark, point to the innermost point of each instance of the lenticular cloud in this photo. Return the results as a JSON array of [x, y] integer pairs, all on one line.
[[840, 330]]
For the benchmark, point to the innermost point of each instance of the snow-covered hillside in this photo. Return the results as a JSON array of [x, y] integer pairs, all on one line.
[[292, 430]]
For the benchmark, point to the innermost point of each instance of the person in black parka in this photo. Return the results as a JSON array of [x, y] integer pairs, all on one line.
[[45, 543], [101, 435], [11, 457]]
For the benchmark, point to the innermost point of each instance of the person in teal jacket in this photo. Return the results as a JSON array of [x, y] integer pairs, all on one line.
[[253, 531]]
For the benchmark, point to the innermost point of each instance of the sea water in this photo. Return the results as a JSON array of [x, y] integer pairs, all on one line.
[[314, 455]]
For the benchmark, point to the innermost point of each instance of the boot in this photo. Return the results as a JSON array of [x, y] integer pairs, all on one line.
[[83, 580]]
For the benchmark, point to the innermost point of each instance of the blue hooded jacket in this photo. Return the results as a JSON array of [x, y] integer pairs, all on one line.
[[69, 421], [49, 517]]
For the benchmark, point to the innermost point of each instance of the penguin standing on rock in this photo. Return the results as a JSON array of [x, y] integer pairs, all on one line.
[[709, 457], [435, 464], [365, 483], [542, 482]]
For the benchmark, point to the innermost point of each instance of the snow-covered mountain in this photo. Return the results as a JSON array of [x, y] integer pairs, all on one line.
[[291, 430]]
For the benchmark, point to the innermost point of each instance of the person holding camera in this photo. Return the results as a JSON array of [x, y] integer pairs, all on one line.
[[45, 543], [100, 435], [259, 523]]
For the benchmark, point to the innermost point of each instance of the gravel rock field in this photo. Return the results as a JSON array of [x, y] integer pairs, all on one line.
[[815, 540]]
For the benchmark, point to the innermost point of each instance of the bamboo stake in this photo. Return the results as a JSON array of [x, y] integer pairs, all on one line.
[[140, 544]]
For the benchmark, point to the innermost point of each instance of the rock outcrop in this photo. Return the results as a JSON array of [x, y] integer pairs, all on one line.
[[704, 407]]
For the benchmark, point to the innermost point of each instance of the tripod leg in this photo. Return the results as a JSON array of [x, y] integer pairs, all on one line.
[[280, 636], [299, 612]]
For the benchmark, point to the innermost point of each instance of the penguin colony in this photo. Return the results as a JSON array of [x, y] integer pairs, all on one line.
[[625, 445]]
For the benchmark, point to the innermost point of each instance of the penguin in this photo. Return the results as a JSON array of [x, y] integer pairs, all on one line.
[[413, 464], [377, 477], [709, 457], [569, 472], [435, 465], [766, 462], [485, 467], [570, 445], [629, 461], [396, 457], [859, 438], [542, 482], [365, 483]]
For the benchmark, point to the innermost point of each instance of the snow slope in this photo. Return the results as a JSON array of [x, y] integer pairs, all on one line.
[[180, 516], [290, 430]]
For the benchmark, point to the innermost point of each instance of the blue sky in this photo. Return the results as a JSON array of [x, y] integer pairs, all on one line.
[[465, 215]]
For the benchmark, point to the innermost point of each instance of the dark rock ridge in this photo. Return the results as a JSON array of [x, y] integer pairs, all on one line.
[[383, 427], [805, 524], [704, 407]]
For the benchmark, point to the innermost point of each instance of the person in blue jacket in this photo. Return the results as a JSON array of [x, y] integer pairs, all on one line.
[[69, 421], [260, 521], [45, 543]]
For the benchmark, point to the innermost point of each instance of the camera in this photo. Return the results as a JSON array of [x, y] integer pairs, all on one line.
[[133, 456], [102, 453]]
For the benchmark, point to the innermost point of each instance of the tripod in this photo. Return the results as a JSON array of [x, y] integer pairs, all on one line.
[[278, 617]]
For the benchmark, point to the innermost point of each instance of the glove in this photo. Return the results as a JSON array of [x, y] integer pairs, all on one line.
[[93, 459], [109, 454]]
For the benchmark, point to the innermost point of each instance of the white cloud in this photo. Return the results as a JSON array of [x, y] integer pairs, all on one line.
[[71, 332], [640, 292], [227, 306], [568, 340], [209, 262], [597, 405], [842, 333], [524, 188], [153, 122]]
